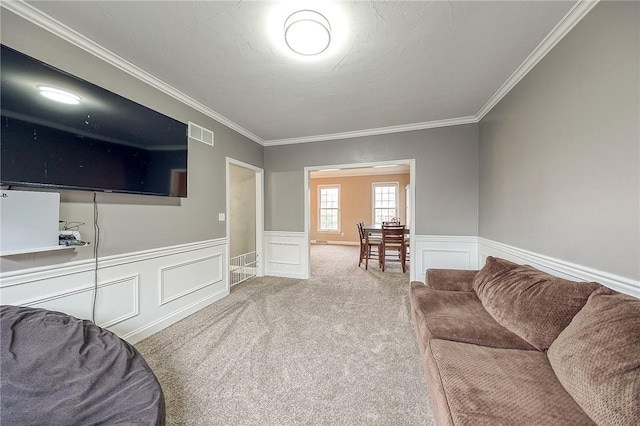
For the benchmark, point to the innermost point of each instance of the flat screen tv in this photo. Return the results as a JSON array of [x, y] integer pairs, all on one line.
[[59, 131]]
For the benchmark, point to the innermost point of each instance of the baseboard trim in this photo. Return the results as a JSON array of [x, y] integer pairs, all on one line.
[[152, 328], [283, 274]]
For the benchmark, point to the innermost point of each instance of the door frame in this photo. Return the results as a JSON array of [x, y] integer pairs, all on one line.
[[307, 203], [259, 174]]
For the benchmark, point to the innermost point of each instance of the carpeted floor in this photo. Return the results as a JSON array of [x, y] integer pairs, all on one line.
[[337, 349]]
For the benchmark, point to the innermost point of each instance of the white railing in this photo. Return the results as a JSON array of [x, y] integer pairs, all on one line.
[[242, 267]]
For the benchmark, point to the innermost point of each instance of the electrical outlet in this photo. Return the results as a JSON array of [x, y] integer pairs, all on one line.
[[221, 217]]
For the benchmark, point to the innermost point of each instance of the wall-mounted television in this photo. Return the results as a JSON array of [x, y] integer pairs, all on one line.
[[60, 131]]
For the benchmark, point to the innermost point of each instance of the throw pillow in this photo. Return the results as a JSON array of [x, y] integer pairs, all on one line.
[[597, 358], [493, 269], [533, 304]]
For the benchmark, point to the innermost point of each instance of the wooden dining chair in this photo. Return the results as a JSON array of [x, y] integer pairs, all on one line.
[[366, 244], [396, 221], [392, 240]]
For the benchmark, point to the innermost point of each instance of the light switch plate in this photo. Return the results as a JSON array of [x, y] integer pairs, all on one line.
[[221, 217]]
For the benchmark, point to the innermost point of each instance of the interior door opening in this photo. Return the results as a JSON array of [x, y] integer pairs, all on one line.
[[329, 207], [244, 221]]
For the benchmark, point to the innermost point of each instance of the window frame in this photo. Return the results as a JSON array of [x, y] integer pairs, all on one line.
[[339, 209], [395, 184]]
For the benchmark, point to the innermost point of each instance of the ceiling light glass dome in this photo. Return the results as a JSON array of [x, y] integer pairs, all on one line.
[[307, 32]]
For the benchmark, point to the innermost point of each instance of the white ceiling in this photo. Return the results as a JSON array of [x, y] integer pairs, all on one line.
[[392, 66]]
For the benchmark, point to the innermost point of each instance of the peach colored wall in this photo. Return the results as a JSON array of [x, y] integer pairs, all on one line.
[[355, 203]]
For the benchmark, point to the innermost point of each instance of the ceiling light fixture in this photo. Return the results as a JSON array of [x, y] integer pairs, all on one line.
[[59, 95], [307, 32]]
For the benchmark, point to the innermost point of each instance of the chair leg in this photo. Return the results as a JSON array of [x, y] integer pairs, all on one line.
[[403, 258], [366, 257]]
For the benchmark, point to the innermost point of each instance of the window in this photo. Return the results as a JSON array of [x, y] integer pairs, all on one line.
[[385, 202], [329, 208]]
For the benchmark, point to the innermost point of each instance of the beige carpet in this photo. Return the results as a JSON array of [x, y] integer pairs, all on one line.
[[337, 349]]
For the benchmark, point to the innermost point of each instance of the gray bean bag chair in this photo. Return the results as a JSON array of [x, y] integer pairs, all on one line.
[[59, 370]]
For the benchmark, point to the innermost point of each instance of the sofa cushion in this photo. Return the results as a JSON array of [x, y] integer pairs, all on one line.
[[534, 305], [597, 358], [472, 385], [459, 316], [494, 268]]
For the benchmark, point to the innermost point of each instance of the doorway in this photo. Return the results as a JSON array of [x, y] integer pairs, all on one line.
[[311, 201], [244, 221]]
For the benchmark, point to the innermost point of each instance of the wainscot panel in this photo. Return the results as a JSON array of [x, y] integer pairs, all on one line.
[[445, 252], [178, 280], [138, 293], [286, 254]]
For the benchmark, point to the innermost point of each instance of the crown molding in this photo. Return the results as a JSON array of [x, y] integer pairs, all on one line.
[[566, 24], [41, 19], [375, 131]]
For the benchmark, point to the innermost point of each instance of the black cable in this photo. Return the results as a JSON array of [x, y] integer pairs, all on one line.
[[96, 238], [71, 226]]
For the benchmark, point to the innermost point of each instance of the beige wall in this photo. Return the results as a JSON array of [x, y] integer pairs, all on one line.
[[355, 203]]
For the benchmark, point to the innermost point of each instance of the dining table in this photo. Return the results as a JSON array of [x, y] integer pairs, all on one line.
[[376, 228]]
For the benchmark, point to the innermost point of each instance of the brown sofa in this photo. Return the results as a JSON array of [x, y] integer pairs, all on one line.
[[512, 345]]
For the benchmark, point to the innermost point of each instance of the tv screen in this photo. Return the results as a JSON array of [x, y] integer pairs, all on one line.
[[60, 131]]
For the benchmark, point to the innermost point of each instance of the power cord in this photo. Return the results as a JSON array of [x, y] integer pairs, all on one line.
[[71, 226], [96, 237]]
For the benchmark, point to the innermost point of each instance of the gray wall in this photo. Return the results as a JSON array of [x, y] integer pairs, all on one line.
[[559, 155], [128, 222], [446, 176]]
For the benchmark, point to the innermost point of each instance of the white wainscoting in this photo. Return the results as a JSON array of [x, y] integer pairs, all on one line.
[[556, 267], [204, 272], [286, 254], [438, 251], [443, 251], [138, 293]]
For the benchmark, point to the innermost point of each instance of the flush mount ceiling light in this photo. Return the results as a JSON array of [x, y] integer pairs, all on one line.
[[307, 32], [59, 95]]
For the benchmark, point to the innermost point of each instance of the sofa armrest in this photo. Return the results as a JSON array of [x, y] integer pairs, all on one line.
[[450, 279]]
